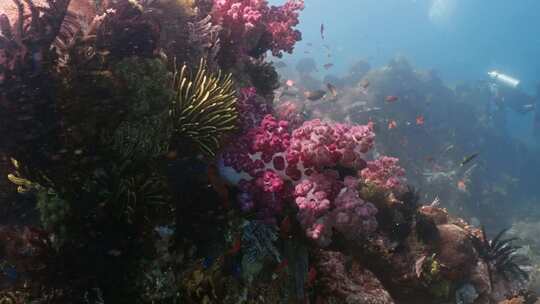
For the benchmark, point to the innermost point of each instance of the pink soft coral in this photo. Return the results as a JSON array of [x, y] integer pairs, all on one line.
[[323, 207], [252, 24], [319, 144], [267, 162], [384, 173], [313, 197]]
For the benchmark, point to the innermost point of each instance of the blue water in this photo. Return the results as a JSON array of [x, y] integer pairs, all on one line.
[[459, 39]]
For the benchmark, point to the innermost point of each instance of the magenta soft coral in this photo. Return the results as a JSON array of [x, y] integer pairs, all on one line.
[[247, 23], [267, 160], [319, 144], [326, 204], [251, 108], [384, 173]]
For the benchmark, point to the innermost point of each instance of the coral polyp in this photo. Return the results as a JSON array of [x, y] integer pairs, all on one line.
[[204, 107]]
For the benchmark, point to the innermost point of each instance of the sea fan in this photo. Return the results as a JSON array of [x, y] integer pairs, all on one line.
[[204, 107]]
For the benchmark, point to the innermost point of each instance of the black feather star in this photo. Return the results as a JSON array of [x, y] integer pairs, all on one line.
[[500, 253]]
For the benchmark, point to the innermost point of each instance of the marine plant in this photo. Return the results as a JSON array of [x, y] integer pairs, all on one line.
[[203, 108]]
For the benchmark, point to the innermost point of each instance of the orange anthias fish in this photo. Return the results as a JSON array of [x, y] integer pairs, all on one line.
[[218, 185], [461, 185], [236, 246], [391, 98], [392, 124], [289, 83], [420, 120]]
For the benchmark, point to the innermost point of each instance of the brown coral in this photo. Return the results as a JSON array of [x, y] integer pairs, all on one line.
[[353, 284]]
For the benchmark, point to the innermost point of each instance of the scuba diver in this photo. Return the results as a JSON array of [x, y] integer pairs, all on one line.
[[506, 93]]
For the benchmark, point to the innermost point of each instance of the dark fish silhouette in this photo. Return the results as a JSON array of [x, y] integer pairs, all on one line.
[[332, 89], [314, 95], [468, 159], [322, 31]]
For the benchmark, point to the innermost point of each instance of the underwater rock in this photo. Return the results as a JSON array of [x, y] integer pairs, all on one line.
[[438, 215], [480, 279], [466, 294], [456, 252], [346, 282]]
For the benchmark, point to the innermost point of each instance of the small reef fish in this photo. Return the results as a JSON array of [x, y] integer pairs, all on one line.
[[322, 31], [288, 93], [328, 65], [364, 84], [309, 44], [391, 98], [461, 185], [450, 147], [392, 124], [332, 89], [314, 95], [468, 159], [236, 246], [420, 120], [289, 83]]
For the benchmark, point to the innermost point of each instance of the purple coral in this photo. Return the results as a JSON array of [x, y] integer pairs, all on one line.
[[353, 216], [251, 110], [384, 173], [254, 27], [267, 162], [323, 207]]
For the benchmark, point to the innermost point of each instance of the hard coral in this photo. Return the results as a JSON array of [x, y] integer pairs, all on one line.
[[343, 284]]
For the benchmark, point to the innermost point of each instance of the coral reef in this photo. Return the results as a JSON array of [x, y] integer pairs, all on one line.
[[252, 27], [156, 169]]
